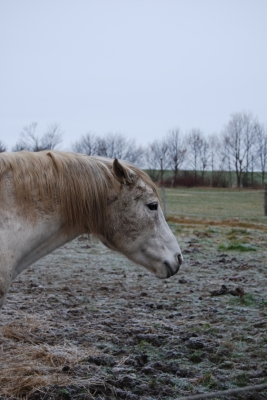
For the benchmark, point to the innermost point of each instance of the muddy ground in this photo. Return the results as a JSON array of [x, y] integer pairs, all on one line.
[[86, 323]]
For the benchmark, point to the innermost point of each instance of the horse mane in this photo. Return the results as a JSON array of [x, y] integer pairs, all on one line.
[[76, 184]]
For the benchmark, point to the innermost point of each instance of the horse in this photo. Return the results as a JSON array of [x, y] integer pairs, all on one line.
[[48, 198]]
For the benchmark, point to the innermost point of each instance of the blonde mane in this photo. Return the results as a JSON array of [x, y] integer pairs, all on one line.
[[76, 184]]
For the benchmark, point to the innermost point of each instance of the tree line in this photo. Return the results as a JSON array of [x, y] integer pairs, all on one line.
[[231, 158]]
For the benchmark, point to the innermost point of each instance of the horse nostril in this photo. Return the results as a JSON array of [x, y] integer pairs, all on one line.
[[180, 258]]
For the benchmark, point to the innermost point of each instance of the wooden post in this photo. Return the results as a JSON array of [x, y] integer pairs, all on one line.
[[265, 199]]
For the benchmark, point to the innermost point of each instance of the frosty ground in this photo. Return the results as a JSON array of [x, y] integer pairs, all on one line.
[[86, 323]]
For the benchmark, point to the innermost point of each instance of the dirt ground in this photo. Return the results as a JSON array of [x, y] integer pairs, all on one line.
[[86, 323]]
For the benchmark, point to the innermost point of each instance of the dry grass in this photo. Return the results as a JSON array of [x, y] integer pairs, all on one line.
[[27, 364]]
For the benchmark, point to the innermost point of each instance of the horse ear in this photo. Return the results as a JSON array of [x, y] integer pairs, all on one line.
[[121, 172]]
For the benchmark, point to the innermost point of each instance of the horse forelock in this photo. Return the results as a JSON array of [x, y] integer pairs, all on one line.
[[76, 185]]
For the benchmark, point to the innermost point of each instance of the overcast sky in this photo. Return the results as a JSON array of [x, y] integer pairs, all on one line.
[[138, 67]]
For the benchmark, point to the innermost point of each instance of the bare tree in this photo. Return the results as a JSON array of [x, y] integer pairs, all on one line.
[[195, 144], [176, 150], [101, 147], [30, 141], [86, 145], [133, 153], [261, 145], [157, 158], [204, 155], [2, 147], [237, 142], [113, 145], [52, 137], [250, 131], [214, 150]]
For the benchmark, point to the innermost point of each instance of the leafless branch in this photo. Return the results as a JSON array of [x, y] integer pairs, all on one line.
[[2, 147]]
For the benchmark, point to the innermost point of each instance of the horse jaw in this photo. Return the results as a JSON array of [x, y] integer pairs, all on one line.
[[160, 254], [163, 264]]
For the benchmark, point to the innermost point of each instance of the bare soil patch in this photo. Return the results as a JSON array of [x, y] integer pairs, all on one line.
[[86, 323]]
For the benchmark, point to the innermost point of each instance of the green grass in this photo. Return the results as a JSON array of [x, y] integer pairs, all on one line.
[[196, 357], [237, 232], [208, 381], [249, 300], [216, 204], [236, 247], [241, 379], [64, 392]]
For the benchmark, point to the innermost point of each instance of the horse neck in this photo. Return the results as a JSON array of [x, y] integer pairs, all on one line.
[[33, 240]]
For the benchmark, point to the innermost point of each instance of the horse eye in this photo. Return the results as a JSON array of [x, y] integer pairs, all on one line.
[[152, 206]]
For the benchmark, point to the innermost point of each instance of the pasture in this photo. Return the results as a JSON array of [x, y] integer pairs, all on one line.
[[216, 204], [86, 323]]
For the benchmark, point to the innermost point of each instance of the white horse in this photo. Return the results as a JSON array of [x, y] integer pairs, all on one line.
[[49, 198]]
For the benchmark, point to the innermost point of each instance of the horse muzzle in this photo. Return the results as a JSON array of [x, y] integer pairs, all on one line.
[[173, 269]]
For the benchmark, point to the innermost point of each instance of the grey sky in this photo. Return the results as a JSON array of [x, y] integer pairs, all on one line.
[[138, 67]]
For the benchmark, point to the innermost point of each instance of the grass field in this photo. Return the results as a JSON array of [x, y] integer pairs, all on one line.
[[216, 204]]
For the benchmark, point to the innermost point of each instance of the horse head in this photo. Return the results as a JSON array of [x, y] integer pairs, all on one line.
[[136, 225]]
